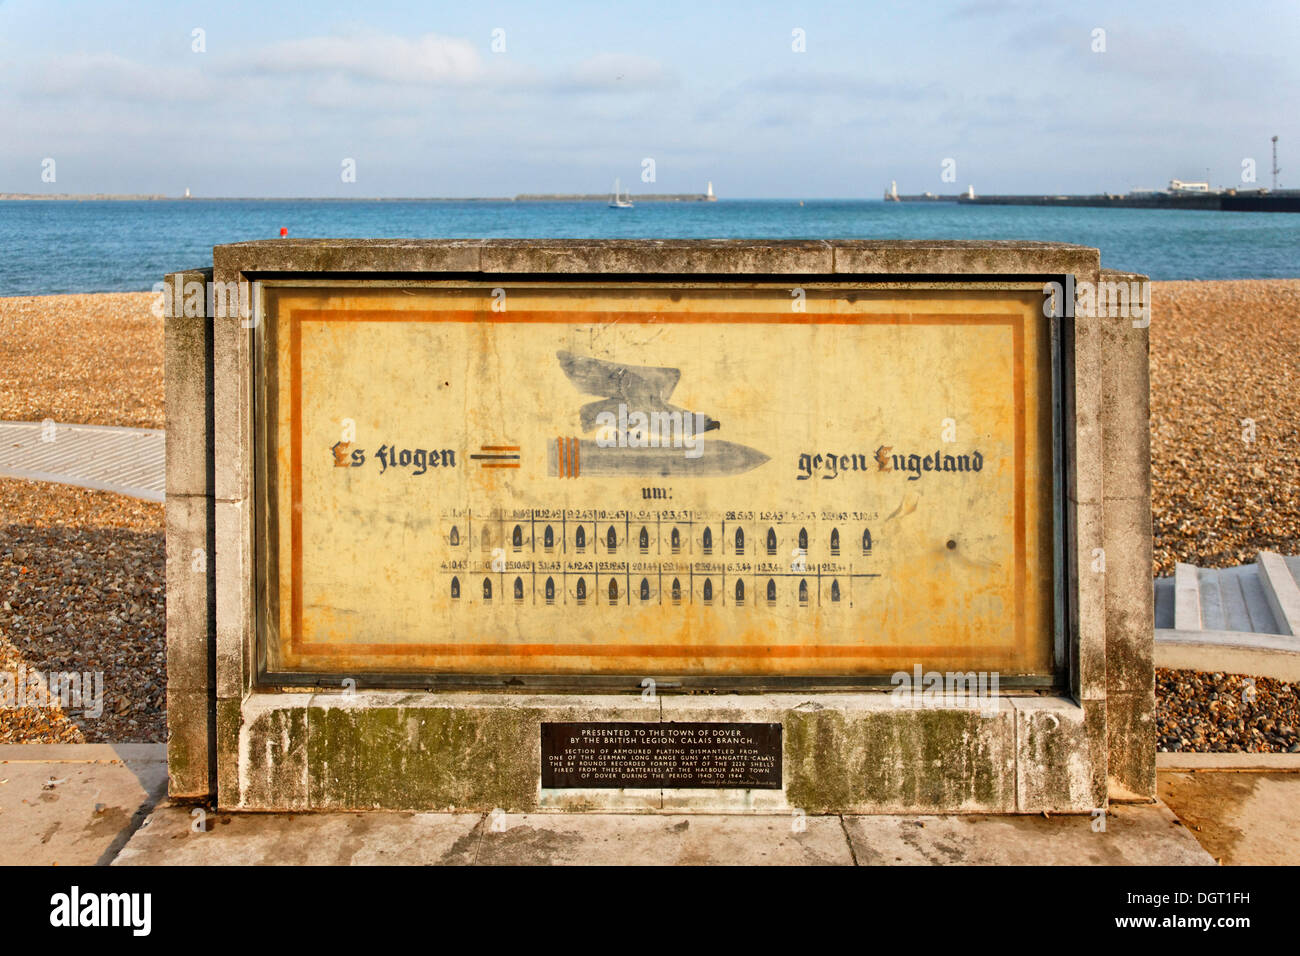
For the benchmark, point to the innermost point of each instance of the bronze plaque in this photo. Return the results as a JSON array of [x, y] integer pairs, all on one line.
[[657, 480], [629, 755]]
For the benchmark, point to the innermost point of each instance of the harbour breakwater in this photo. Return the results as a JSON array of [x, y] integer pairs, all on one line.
[[591, 197], [1228, 201]]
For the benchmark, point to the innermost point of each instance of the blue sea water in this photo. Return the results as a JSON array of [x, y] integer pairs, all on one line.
[[102, 246]]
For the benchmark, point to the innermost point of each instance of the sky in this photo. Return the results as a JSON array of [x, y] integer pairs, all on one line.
[[766, 100]]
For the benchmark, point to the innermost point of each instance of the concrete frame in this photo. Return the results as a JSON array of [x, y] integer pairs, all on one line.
[[309, 748]]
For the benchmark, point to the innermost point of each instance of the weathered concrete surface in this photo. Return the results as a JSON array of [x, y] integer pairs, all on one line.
[[187, 345], [375, 749], [178, 835], [191, 545], [666, 840], [1242, 817], [74, 804], [863, 753], [1126, 519], [663, 256], [1140, 834], [1143, 834], [609, 839], [172, 837], [857, 753]]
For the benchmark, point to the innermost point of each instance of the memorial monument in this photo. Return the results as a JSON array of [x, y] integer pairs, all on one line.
[[658, 525]]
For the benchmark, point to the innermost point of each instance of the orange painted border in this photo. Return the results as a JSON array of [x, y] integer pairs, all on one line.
[[298, 316]]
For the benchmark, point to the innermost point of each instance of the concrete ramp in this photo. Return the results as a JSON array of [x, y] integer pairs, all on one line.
[[1243, 620], [129, 461]]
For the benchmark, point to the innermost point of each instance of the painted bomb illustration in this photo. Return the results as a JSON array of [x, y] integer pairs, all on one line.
[[639, 433]]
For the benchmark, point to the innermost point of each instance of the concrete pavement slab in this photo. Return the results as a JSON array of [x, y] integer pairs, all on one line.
[[71, 804], [664, 840], [1138, 834], [1144, 834], [171, 836], [177, 835], [1241, 818]]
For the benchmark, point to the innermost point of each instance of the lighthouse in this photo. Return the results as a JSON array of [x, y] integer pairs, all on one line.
[[708, 194]]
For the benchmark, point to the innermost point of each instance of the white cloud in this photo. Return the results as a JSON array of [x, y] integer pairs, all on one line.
[[425, 60], [342, 73], [108, 75]]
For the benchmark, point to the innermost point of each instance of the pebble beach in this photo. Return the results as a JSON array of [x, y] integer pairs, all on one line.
[[82, 572]]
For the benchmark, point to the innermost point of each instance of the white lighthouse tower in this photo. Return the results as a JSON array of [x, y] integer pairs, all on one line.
[[708, 194]]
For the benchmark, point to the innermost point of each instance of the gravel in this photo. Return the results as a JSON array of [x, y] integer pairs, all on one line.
[[81, 590], [1223, 352], [82, 359], [81, 572], [1225, 713]]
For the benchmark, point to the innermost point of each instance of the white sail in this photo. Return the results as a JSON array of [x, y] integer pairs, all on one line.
[[616, 202]]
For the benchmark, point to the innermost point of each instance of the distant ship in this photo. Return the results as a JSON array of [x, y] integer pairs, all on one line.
[[616, 202]]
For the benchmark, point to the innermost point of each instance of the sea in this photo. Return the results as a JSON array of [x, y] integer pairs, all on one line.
[[58, 246]]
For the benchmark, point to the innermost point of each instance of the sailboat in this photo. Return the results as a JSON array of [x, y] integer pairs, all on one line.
[[616, 202]]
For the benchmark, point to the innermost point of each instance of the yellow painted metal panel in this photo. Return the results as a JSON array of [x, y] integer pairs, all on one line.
[[825, 481]]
